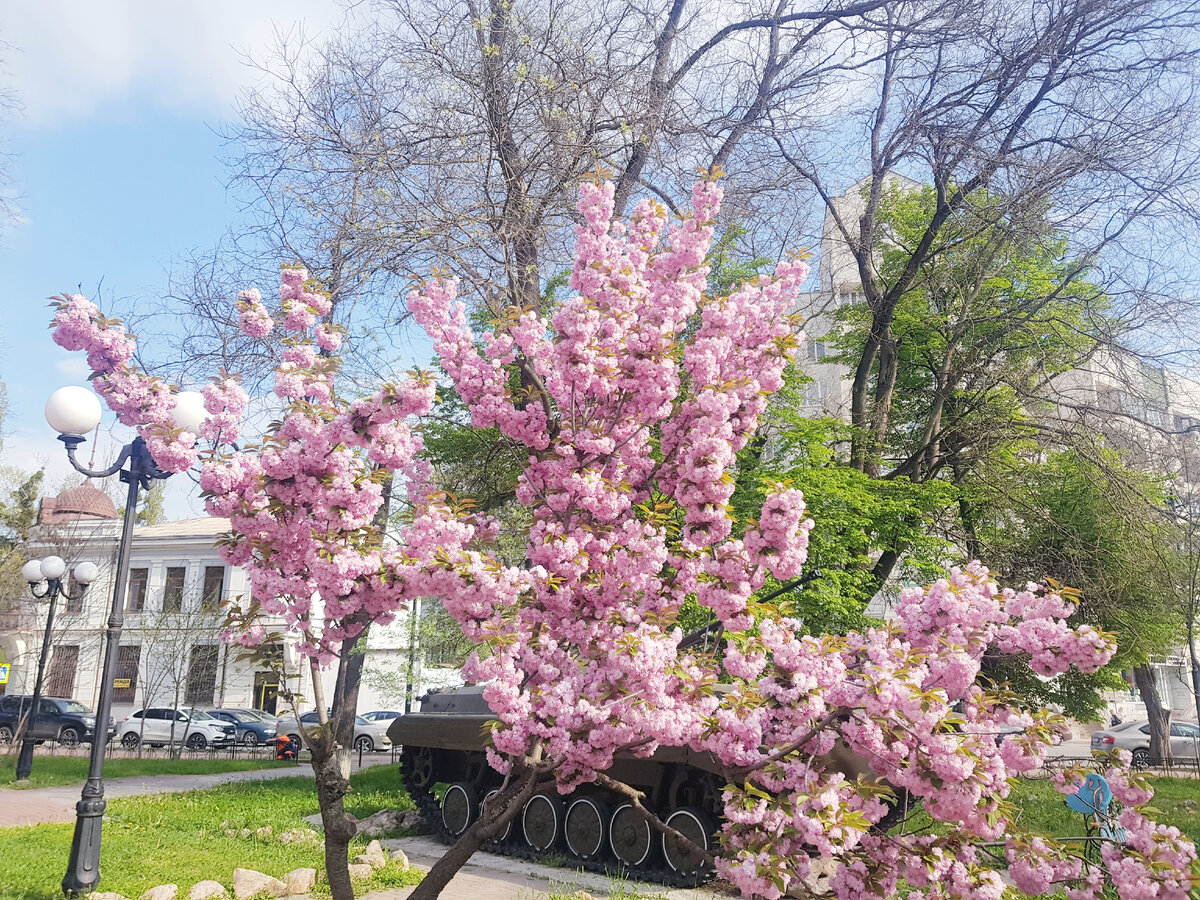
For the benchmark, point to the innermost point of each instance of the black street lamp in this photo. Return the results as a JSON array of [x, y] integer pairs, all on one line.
[[50, 571], [73, 412]]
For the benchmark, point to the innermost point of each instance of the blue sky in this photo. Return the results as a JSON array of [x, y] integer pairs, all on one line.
[[117, 171]]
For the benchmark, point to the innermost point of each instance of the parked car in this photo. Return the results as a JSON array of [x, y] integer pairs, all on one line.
[[252, 729], [368, 736], [1135, 737], [58, 719], [382, 715], [197, 730]]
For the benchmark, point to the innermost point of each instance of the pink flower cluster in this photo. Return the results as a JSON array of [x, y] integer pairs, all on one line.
[[584, 657], [637, 393], [302, 500]]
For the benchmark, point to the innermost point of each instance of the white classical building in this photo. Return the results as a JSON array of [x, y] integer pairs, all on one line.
[[170, 652]]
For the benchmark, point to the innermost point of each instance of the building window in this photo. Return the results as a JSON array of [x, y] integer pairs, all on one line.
[[63, 666], [138, 580], [173, 589], [202, 675], [74, 595], [125, 681], [214, 584]]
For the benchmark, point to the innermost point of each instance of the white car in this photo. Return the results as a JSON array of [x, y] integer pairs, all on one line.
[[368, 736], [1135, 737], [195, 729]]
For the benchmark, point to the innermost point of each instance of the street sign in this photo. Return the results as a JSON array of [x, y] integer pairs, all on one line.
[[4, 674], [119, 683]]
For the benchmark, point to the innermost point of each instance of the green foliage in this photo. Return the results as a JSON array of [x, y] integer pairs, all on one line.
[[152, 510], [185, 838], [1100, 527], [727, 267], [856, 516], [999, 307]]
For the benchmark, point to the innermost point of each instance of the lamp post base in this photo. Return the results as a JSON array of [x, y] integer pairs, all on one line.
[[25, 760], [83, 868]]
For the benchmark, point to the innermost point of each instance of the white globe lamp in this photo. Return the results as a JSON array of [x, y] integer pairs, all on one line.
[[86, 572], [189, 412], [32, 571], [53, 567], [73, 410]]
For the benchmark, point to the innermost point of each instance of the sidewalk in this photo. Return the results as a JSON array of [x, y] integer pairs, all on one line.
[[40, 806], [490, 877]]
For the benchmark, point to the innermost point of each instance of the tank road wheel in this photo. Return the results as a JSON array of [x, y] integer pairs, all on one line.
[[503, 835], [541, 821], [460, 806], [698, 827], [420, 766], [586, 827], [629, 836]]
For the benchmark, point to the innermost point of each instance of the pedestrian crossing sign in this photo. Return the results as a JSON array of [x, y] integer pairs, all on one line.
[[4, 674]]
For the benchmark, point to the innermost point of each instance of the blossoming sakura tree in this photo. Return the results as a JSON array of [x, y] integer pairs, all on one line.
[[633, 398], [306, 503]]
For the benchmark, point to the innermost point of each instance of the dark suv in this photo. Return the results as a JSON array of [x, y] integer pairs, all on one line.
[[66, 721]]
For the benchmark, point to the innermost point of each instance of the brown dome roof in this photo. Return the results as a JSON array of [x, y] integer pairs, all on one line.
[[85, 502]]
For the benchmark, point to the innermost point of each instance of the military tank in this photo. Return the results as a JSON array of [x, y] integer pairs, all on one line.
[[594, 828]]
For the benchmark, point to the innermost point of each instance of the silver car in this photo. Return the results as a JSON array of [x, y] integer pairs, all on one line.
[[368, 736], [1135, 737]]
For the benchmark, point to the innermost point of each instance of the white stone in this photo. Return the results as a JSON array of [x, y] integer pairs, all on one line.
[[300, 881], [373, 856], [380, 823], [162, 892], [207, 890], [247, 883], [400, 858], [360, 870], [299, 836]]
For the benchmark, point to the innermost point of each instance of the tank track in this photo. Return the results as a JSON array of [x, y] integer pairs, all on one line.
[[660, 873]]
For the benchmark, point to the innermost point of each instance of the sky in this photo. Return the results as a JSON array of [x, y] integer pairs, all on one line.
[[115, 159]]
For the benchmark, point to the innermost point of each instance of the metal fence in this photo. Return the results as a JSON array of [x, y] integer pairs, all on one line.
[[116, 750], [1181, 766]]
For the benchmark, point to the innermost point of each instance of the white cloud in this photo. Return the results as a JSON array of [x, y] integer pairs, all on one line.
[[69, 57]]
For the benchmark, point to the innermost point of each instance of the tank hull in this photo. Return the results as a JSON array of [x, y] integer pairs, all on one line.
[[445, 744]]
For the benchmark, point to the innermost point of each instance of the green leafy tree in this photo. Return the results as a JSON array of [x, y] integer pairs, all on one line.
[[856, 515], [1103, 529], [995, 310]]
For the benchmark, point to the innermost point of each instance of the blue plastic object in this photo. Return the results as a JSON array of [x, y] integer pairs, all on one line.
[[1093, 798]]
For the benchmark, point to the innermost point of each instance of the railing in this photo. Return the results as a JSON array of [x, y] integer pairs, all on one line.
[[116, 750], [1186, 766]]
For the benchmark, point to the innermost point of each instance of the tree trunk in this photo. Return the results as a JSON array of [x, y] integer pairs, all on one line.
[[1195, 659], [859, 449], [332, 773], [493, 820], [1158, 715]]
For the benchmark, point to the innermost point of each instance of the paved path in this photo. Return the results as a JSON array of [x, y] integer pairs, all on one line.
[[38, 806], [490, 877]]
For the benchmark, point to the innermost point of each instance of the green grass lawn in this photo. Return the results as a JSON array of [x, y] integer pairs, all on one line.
[[1042, 810], [1177, 801], [52, 770], [183, 838]]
